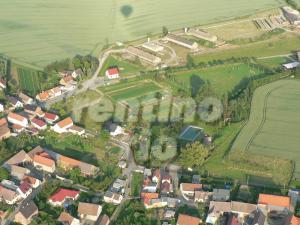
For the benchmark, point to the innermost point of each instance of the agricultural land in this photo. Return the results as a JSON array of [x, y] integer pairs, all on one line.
[[41, 32]]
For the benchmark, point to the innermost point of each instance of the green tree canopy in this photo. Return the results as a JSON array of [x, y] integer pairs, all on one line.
[[193, 155], [4, 175]]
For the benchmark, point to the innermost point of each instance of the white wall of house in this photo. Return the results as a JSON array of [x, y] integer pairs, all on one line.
[[23, 123], [44, 167]]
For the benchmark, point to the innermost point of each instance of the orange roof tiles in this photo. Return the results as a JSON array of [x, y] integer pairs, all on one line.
[[43, 161], [43, 96], [3, 122], [187, 220], [190, 186], [65, 122], [69, 161], [275, 200], [16, 116]]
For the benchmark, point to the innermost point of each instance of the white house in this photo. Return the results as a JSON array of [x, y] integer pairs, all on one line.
[[43, 163], [112, 73], [17, 119], [34, 182], [77, 73], [39, 124], [24, 189], [63, 125], [8, 196], [113, 198], [89, 211]]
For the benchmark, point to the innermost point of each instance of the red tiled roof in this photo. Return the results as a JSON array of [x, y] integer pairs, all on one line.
[[275, 200], [30, 180], [50, 116], [113, 71], [62, 194], [187, 220], [38, 122], [25, 187]]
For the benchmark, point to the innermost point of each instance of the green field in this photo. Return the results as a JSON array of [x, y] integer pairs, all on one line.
[[223, 78], [283, 44], [135, 91], [124, 66], [28, 80], [40, 32], [273, 128]]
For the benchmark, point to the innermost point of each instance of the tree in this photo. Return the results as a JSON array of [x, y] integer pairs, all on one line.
[[4, 175], [190, 61], [193, 155], [165, 31]]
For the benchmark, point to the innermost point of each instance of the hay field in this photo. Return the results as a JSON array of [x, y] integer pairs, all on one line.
[[39, 32], [273, 128]]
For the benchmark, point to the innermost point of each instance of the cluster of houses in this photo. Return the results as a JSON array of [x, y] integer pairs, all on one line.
[[22, 114], [67, 83], [86, 212], [28, 171]]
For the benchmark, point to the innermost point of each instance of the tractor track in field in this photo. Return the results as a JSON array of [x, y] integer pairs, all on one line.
[[262, 123]]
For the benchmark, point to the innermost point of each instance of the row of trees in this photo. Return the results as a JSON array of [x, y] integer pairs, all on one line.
[[88, 64]]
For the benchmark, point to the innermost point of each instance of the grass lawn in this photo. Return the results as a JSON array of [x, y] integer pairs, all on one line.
[[274, 62], [223, 78], [124, 66], [273, 128], [136, 184], [42, 32], [282, 44]]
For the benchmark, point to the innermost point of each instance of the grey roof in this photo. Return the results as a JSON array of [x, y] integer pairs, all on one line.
[[29, 209], [12, 100], [18, 158], [180, 39], [221, 193]]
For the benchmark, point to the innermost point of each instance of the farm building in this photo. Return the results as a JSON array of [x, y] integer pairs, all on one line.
[[292, 15], [191, 134], [152, 59], [201, 34], [152, 46], [181, 41]]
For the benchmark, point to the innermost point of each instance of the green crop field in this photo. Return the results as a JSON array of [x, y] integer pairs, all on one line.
[[40, 32], [273, 128], [223, 78], [28, 80], [137, 90]]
